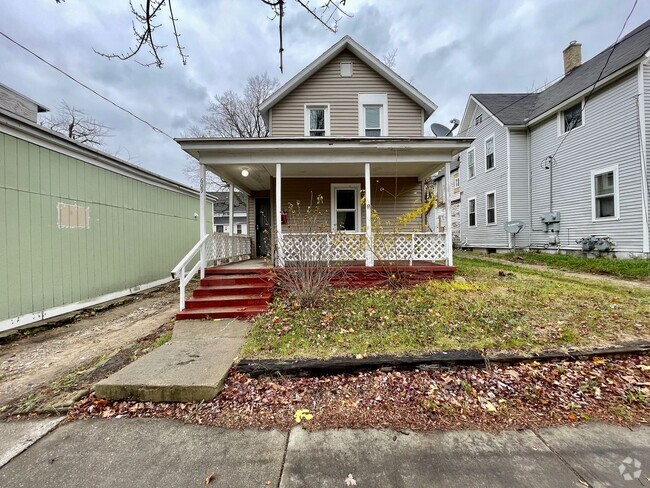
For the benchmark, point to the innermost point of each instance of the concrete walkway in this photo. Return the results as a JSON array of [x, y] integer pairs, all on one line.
[[165, 453], [191, 367]]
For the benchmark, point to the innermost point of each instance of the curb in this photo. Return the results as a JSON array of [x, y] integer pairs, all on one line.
[[444, 359]]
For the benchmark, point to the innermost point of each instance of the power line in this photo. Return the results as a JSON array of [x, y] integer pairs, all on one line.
[[156, 129], [609, 55]]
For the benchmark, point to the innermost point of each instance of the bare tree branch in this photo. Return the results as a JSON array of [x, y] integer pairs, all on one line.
[[75, 124], [390, 58]]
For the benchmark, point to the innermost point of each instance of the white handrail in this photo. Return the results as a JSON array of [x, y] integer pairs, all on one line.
[[189, 256]]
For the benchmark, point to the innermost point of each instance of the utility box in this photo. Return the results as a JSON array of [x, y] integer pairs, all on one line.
[[551, 221]]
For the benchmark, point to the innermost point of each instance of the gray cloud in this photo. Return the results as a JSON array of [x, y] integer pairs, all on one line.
[[449, 49]]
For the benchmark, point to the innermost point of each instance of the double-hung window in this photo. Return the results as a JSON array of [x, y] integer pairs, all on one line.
[[490, 209], [372, 120], [317, 120], [373, 114], [471, 168], [471, 212], [489, 153], [345, 207], [604, 193]]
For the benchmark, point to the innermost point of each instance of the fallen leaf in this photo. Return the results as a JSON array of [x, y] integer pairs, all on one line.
[[350, 481], [302, 414], [209, 479]]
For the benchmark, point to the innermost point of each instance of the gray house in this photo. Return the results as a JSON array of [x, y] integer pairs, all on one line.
[[570, 161], [436, 218]]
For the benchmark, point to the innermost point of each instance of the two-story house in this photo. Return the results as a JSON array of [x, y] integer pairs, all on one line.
[[570, 161], [346, 136]]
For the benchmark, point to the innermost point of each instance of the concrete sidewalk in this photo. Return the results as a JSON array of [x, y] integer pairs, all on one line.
[[165, 453]]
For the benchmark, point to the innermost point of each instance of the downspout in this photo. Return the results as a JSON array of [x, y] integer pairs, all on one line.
[[530, 190], [643, 160], [508, 191]]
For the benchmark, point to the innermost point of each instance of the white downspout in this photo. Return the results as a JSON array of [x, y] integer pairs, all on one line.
[[448, 233], [370, 260], [644, 162], [278, 215]]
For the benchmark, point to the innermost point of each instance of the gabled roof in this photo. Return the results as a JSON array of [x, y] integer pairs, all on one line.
[[362, 53], [521, 108]]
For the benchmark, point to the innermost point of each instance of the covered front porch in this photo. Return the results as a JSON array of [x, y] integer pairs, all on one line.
[[339, 201]]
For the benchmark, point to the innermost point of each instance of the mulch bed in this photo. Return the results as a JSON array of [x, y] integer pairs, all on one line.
[[527, 395]]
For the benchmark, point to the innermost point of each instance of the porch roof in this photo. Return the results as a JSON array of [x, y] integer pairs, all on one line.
[[321, 157]]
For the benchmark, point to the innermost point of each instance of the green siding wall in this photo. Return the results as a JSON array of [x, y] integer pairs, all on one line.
[[138, 232]]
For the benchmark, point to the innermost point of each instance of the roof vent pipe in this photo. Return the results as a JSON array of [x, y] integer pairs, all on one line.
[[572, 56]]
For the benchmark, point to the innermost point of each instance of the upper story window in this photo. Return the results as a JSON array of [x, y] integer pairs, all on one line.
[[572, 117], [479, 119], [317, 120], [471, 168], [456, 182], [604, 194], [489, 153], [373, 114]]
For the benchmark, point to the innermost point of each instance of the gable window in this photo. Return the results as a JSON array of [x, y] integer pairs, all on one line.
[[490, 209], [479, 119], [604, 194], [471, 212], [471, 169], [489, 153], [345, 207], [317, 120], [373, 114], [572, 117]]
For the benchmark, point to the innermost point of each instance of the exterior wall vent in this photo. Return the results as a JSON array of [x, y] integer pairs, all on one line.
[[346, 70]]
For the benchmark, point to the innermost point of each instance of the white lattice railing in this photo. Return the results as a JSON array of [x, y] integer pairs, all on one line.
[[352, 246], [216, 247]]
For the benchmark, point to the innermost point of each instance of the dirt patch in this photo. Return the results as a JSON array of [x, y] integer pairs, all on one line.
[[38, 358]]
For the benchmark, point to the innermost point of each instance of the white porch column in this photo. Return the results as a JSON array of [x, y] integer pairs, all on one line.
[[370, 259], [278, 215], [448, 229], [202, 232], [231, 209]]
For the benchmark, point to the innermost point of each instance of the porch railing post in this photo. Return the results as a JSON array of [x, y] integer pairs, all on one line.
[[202, 231], [370, 261], [448, 233], [278, 215]]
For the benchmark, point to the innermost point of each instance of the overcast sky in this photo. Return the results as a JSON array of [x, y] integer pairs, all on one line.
[[448, 49]]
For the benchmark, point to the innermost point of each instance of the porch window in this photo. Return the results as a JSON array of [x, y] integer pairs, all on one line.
[[604, 191], [317, 120], [471, 168], [489, 153], [471, 212], [490, 209], [345, 207], [373, 120]]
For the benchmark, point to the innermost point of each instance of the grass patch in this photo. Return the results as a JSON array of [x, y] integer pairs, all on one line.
[[163, 339], [494, 308], [629, 269]]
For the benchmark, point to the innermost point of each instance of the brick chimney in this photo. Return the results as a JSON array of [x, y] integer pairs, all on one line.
[[572, 56]]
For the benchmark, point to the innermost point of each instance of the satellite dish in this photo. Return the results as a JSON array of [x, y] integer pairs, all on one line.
[[514, 226], [440, 130]]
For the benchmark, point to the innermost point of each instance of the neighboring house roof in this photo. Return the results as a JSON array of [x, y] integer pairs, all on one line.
[[441, 174], [39, 108], [362, 53], [521, 108], [222, 199]]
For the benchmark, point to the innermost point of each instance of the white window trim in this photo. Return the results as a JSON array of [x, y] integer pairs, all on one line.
[[494, 153], [456, 182], [357, 204], [373, 99], [475, 212], [471, 150], [493, 192], [560, 118], [617, 210], [326, 106]]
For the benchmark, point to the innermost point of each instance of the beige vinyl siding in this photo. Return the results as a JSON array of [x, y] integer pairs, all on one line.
[[392, 198], [328, 87]]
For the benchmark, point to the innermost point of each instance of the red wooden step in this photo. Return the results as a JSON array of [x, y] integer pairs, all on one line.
[[221, 290], [228, 301], [221, 312], [227, 271], [236, 279]]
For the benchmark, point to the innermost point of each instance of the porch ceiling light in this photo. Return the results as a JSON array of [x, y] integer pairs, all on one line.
[[244, 172]]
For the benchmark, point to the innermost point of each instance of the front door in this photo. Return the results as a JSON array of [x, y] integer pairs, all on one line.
[[262, 226]]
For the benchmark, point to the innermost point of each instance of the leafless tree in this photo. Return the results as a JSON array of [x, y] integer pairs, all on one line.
[[75, 124], [232, 114], [390, 59], [146, 21]]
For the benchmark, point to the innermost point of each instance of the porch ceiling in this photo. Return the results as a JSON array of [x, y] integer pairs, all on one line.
[[321, 157]]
